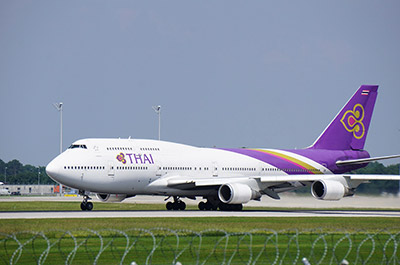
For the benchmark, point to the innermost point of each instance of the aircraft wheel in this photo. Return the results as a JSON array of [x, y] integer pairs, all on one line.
[[202, 206], [223, 207], [208, 206], [231, 207], [89, 206], [86, 206], [182, 206], [238, 207], [169, 206], [175, 206]]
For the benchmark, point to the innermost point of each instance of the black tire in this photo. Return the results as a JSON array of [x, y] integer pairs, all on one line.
[[169, 206], [223, 206], [182, 206], [202, 206], [175, 206], [89, 206], [83, 206], [237, 207]]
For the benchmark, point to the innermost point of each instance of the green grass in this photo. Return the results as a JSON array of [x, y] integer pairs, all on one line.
[[230, 224], [73, 206], [214, 246]]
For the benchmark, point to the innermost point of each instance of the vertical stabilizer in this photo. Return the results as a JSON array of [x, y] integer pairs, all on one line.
[[349, 128]]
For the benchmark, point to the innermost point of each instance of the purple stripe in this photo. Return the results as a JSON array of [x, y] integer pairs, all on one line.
[[275, 161], [328, 158]]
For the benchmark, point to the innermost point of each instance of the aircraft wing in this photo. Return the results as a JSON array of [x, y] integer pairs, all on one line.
[[182, 182]]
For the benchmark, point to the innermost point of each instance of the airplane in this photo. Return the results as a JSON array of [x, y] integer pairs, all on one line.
[[4, 191], [227, 178]]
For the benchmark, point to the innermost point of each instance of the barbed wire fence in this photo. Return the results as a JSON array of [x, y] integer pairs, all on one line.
[[166, 246]]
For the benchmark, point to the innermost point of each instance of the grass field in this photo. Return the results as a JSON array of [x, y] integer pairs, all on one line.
[[230, 224], [234, 239], [213, 247]]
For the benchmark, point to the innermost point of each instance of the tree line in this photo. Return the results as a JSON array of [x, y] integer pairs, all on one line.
[[14, 172], [379, 186]]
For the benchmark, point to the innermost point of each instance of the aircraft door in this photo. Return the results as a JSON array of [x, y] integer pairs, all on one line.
[[111, 170], [214, 169], [160, 170]]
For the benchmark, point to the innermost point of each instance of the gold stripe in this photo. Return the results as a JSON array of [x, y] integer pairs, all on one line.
[[293, 160]]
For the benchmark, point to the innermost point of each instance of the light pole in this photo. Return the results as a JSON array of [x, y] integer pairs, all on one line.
[[157, 109], [58, 106], [5, 175], [38, 178]]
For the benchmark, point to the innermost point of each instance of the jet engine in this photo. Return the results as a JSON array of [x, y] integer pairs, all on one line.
[[111, 197], [330, 189], [236, 193]]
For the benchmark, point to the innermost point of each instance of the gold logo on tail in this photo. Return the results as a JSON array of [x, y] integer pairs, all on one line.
[[352, 121]]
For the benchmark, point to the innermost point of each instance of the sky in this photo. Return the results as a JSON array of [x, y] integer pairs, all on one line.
[[227, 73]]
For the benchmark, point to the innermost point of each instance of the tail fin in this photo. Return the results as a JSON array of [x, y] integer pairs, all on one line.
[[349, 128]]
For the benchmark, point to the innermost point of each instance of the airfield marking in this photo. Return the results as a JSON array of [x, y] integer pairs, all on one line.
[[171, 214]]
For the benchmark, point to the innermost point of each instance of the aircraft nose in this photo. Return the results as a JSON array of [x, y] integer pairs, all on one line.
[[52, 170]]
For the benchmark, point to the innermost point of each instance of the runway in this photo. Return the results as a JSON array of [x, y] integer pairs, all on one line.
[[194, 214], [369, 206]]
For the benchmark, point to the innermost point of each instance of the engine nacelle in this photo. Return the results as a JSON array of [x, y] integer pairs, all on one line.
[[236, 193], [111, 197], [332, 190]]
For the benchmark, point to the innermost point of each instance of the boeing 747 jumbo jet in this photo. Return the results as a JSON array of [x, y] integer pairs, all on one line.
[[116, 169]]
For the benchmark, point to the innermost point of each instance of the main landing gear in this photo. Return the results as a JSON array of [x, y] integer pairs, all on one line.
[[215, 204], [86, 205], [212, 204], [176, 205]]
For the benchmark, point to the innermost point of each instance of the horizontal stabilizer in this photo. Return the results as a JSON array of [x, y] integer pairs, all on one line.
[[373, 177], [363, 160]]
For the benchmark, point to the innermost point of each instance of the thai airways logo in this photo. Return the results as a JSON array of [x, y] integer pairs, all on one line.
[[352, 121], [135, 158], [121, 158]]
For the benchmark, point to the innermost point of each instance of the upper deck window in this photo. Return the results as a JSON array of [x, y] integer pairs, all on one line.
[[73, 146]]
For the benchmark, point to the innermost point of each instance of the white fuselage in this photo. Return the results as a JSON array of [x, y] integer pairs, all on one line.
[[134, 167]]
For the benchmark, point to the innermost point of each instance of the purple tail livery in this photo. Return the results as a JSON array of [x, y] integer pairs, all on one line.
[[348, 130]]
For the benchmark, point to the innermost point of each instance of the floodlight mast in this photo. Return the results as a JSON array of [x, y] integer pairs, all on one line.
[[58, 106], [157, 109]]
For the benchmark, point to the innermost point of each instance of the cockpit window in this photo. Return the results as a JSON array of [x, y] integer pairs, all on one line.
[[73, 146]]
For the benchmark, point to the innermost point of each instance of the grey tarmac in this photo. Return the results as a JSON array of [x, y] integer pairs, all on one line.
[[194, 214], [370, 206]]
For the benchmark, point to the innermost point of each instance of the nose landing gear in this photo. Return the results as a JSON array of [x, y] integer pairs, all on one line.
[[86, 205]]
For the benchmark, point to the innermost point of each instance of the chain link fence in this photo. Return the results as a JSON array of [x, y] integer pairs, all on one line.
[[165, 246]]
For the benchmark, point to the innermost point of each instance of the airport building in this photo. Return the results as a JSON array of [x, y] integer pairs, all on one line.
[[30, 189]]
